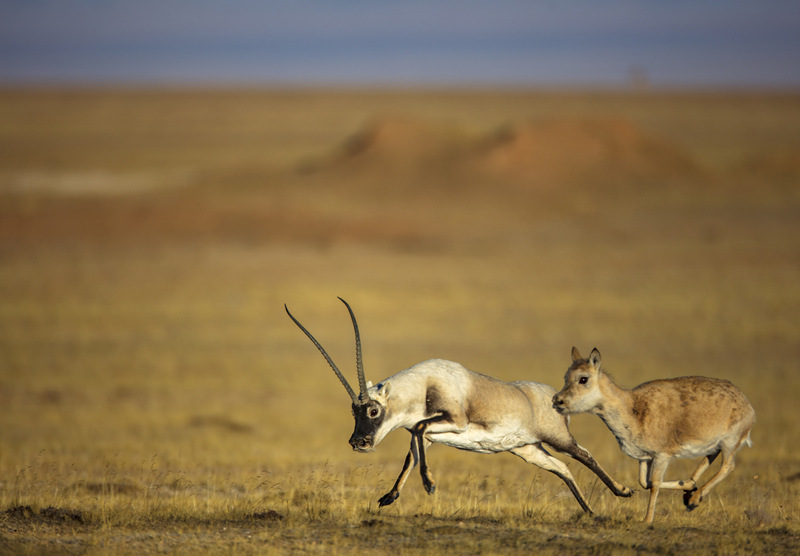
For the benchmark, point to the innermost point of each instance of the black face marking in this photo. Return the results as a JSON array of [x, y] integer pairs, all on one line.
[[369, 418]]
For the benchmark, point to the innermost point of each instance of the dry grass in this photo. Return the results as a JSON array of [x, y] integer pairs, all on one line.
[[155, 397]]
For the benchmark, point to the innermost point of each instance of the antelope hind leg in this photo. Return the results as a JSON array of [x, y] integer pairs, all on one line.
[[538, 456], [693, 498], [578, 452]]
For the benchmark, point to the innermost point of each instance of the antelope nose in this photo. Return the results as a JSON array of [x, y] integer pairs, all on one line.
[[361, 443], [557, 401]]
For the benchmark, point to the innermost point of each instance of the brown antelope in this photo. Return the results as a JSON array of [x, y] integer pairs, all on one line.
[[442, 401], [686, 417]]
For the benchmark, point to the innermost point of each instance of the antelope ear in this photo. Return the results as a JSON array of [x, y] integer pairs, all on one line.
[[594, 359], [383, 390], [369, 384], [576, 355]]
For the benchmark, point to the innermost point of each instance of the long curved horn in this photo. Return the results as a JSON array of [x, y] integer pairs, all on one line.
[[327, 358], [362, 382]]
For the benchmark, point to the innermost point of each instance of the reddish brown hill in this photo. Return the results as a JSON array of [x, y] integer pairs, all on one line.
[[570, 150], [402, 141], [536, 155]]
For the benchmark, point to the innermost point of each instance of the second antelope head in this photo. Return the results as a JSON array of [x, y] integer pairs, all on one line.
[[369, 409]]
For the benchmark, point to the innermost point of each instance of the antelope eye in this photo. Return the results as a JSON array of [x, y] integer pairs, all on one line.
[[373, 412], [583, 380]]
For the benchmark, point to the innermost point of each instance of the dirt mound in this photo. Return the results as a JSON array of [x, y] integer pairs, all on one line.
[[569, 150], [551, 153], [402, 142]]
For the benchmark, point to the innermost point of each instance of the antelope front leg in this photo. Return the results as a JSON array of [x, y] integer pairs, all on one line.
[[644, 472], [419, 431], [425, 472], [412, 458], [658, 467], [689, 485]]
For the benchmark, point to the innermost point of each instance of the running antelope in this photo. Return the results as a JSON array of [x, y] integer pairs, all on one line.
[[441, 401], [686, 417]]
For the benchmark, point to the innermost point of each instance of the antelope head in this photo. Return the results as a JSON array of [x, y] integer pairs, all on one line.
[[582, 389], [369, 408]]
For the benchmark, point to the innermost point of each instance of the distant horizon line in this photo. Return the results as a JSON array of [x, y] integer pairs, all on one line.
[[378, 86]]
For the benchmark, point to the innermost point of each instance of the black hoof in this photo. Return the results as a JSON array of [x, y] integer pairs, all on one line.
[[625, 492], [387, 499], [687, 496], [430, 488]]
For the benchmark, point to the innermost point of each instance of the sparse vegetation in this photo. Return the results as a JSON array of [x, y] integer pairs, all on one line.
[[155, 397]]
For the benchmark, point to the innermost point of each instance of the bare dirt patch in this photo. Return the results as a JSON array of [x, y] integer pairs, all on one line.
[[26, 514]]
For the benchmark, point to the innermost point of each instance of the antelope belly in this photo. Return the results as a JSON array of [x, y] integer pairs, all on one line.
[[481, 440]]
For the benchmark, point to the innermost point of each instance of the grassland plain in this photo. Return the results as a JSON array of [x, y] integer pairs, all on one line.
[[156, 398]]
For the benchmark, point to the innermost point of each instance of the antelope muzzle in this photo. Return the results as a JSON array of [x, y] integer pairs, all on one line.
[[362, 443], [559, 404]]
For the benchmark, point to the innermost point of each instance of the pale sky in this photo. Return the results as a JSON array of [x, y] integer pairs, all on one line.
[[678, 43]]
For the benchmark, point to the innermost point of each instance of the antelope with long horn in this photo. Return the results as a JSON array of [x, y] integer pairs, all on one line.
[[686, 417], [442, 401]]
